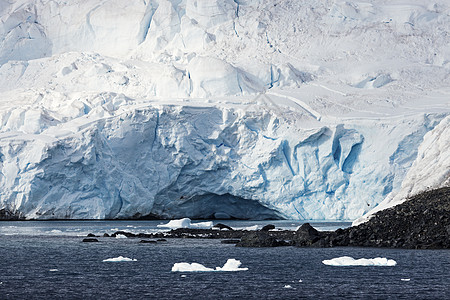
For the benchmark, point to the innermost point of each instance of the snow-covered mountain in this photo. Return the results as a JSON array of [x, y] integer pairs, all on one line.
[[207, 108]]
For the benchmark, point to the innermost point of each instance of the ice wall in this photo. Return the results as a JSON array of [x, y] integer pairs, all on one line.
[[200, 162], [430, 170], [188, 108]]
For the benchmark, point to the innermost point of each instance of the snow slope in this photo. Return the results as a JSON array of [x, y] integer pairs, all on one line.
[[430, 170], [201, 108]]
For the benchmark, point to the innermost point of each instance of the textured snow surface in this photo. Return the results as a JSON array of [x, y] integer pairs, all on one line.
[[232, 265], [350, 261], [226, 109]]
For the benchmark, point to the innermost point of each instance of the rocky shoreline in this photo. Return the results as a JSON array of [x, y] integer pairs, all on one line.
[[422, 222]]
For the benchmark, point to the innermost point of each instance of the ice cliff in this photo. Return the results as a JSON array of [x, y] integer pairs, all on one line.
[[200, 108]]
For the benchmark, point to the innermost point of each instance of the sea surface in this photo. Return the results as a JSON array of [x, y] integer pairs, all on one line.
[[48, 260]]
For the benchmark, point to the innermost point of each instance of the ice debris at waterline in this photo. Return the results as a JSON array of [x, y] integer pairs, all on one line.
[[232, 265], [350, 261], [119, 259], [186, 223]]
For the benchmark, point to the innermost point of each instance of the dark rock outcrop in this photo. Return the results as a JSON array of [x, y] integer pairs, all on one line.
[[232, 241], [90, 240], [421, 222], [268, 227], [222, 226], [306, 235], [6, 215], [258, 239], [147, 242]]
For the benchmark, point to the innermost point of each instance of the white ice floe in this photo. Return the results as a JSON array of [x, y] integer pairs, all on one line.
[[350, 261], [405, 279], [251, 228], [232, 265], [287, 286], [121, 236], [53, 270], [193, 267], [186, 223], [119, 259]]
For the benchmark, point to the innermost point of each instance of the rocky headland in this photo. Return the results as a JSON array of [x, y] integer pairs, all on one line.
[[421, 222]]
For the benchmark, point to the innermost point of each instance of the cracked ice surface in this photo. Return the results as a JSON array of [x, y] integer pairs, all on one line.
[[200, 109]]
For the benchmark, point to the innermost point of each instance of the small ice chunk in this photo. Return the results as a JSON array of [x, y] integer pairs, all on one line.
[[288, 286], [53, 270], [350, 261], [251, 228], [231, 265], [202, 225], [193, 267], [119, 259], [300, 280], [183, 276], [405, 279], [121, 236], [186, 223]]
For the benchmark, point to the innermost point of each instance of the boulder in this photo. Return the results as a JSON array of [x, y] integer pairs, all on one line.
[[306, 236], [257, 239], [147, 242], [89, 240], [222, 226], [268, 227]]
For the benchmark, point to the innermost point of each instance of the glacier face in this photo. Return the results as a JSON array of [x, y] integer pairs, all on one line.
[[200, 109], [430, 170]]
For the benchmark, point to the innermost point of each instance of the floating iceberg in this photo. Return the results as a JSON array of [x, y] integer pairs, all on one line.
[[119, 259], [350, 261], [186, 223], [232, 265], [193, 267]]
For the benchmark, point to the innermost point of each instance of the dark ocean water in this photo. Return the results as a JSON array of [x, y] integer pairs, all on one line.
[[59, 266]]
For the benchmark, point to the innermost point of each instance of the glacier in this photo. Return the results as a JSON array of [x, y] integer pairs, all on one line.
[[220, 109]]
